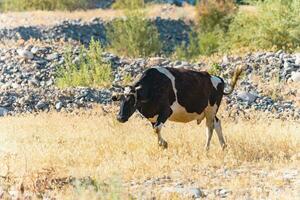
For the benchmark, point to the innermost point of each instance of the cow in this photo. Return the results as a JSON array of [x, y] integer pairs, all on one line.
[[178, 95]]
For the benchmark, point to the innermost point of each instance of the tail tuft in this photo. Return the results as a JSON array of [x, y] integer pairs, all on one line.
[[234, 79]]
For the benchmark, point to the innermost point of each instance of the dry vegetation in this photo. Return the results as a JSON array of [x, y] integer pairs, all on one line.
[[45, 155], [50, 18]]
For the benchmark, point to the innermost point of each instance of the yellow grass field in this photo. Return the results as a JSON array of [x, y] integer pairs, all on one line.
[[91, 156]]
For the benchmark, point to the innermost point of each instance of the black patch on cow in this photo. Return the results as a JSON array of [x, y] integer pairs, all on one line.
[[158, 90], [194, 89]]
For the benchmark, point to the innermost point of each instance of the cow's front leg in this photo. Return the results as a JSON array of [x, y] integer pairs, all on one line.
[[162, 118]]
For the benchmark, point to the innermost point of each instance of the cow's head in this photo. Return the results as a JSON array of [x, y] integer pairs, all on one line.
[[129, 101]]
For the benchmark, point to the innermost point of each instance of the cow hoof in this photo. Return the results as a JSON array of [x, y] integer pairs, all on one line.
[[224, 146], [163, 144], [206, 148]]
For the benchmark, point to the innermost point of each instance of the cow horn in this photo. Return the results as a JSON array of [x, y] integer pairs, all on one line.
[[138, 87], [116, 96]]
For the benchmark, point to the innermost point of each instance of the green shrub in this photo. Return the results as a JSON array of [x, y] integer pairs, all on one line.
[[215, 15], [275, 25], [19, 5], [214, 18], [199, 44], [89, 71], [128, 4], [134, 36], [215, 69], [188, 51]]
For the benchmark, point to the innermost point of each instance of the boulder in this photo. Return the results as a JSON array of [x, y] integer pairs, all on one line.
[[247, 96], [295, 76], [3, 112]]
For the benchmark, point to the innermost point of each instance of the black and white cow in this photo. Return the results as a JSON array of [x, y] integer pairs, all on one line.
[[177, 95]]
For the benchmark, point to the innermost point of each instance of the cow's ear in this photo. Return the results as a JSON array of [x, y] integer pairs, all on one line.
[[116, 97]]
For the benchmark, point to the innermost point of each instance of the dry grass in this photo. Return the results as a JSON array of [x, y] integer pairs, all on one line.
[[49, 18], [39, 151]]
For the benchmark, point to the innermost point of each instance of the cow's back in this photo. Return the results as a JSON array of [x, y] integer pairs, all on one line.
[[193, 89]]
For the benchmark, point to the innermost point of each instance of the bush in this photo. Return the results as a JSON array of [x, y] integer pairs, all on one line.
[[199, 44], [215, 69], [128, 4], [214, 18], [19, 5], [215, 15], [89, 71], [275, 25], [134, 36], [188, 51]]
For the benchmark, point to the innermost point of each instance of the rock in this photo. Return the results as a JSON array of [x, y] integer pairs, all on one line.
[[25, 54], [41, 105], [223, 193], [52, 57], [34, 50], [58, 105], [290, 174], [247, 96], [295, 76], [3, 112], [297, 61], [187, 192]]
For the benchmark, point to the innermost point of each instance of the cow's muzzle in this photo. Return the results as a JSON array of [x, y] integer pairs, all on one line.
[[121, 119]]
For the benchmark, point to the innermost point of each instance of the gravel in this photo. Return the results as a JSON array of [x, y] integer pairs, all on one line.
[[27, 81], [172, 32]]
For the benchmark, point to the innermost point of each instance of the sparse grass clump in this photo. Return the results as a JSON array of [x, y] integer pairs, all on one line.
[[20, 5], [215, 69], [128, 4], [88, 70], [134, 36]]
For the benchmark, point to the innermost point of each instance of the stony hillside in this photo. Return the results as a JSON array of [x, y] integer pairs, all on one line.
[[27, 81]]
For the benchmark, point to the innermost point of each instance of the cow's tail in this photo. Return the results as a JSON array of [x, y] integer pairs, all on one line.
[[234, 80]]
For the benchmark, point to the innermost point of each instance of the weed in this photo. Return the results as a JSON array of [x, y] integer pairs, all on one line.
[[89, 70], [215, 69], [134, 36], [19, 5], [128, 4]]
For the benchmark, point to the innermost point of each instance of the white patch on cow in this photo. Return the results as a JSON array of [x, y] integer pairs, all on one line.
[[170, 76], [179, 113], [215, 81], [127, 90]]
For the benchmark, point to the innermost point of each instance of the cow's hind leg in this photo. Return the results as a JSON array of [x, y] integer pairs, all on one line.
[[209, 131], [162, 118], [218, 128]]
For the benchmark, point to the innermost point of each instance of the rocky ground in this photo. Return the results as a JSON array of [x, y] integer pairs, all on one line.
[[172, 32], [27, 80], [28, 69], [275, 183], [189, 189]]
